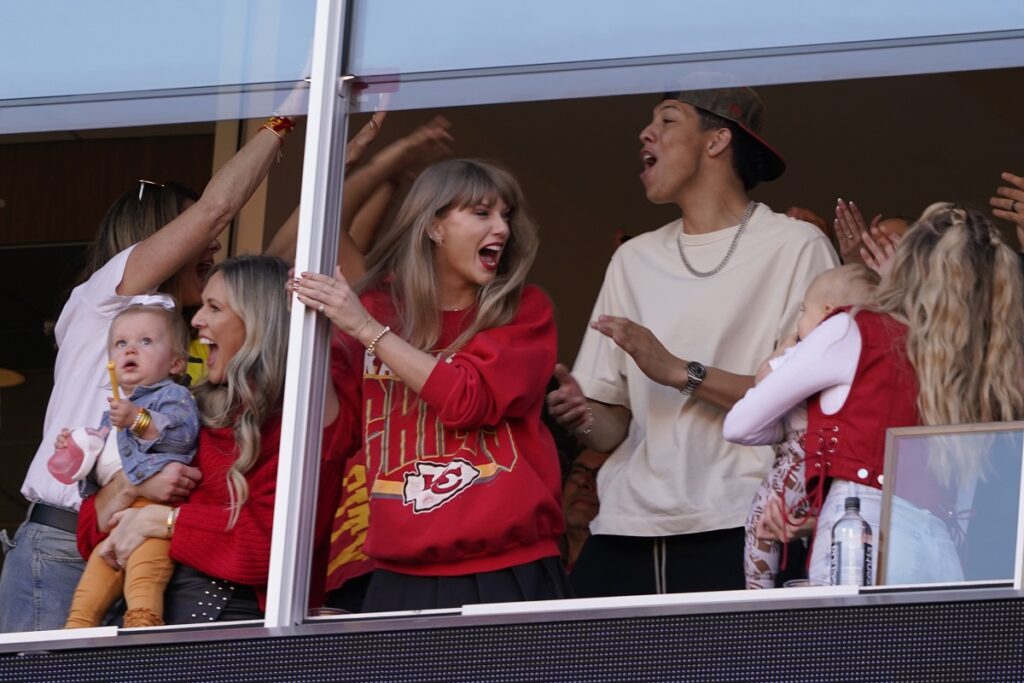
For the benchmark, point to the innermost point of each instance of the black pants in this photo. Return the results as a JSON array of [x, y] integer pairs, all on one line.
[[192, 597], [632, 565], [195, 598]]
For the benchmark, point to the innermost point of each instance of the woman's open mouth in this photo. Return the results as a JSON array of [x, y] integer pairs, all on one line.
[[211, 348], [490, 256]]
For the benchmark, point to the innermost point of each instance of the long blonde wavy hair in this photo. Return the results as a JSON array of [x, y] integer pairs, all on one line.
[[958, 288], [254, 383], [402, 260]]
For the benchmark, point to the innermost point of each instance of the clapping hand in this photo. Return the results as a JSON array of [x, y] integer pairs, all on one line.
[[878, 248], [850, 229], [1008, 203]]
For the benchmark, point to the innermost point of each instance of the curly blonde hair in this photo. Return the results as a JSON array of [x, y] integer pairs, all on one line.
[[958, 288]]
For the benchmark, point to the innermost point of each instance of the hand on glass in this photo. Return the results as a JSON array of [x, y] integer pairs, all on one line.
[[334, 298]]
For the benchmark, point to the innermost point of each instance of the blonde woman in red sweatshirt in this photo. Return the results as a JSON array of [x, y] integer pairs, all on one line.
[[441, 364]]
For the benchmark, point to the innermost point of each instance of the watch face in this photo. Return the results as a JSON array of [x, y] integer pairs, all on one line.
[[696, 370]]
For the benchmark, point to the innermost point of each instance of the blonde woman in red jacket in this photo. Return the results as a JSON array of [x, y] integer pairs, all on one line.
[[942, 343], [441, 362]]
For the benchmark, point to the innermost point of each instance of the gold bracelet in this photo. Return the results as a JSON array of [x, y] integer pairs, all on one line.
[[371, 349], [141, 423], [172, 517]]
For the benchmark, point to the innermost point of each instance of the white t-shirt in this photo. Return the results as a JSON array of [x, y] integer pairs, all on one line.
[[674, 473], [81, 382]]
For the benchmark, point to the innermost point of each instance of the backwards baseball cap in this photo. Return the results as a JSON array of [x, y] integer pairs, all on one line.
[[743, 107]]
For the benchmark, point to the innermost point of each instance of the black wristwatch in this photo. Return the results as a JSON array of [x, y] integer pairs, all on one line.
[[695, 373]]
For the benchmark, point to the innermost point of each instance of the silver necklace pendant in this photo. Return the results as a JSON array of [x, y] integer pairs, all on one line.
[[732, 247]]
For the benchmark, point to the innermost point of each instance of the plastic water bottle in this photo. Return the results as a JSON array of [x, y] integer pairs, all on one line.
[[851, 548]]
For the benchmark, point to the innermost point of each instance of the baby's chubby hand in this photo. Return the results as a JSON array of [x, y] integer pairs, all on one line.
[[122, 412]]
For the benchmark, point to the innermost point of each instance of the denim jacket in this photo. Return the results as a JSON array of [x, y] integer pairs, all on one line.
[[176, 418]]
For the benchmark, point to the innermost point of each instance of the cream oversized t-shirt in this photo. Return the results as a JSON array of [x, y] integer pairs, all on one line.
[[674, 473]]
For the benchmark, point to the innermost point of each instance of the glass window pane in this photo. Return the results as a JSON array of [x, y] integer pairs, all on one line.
[[951, 506], [118, 64], [402, 37], [117, 46], [60, 193], [578, 162]]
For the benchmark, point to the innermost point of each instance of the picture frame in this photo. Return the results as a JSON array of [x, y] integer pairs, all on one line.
[[953, 506]]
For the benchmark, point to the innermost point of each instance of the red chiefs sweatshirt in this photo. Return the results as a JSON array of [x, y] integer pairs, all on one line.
[[463, 477]]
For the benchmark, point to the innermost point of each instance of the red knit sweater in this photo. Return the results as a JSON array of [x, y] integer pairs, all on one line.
[[241, 554], [464, 477]]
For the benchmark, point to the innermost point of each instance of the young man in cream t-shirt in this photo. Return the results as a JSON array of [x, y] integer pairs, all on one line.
[[684, 316]]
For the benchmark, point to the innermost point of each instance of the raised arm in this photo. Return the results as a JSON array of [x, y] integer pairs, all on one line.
[[158, 257], [368, 220], [361, 188], [427, 143]]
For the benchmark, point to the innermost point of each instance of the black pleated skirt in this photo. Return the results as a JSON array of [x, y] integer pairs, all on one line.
[[542, 579]]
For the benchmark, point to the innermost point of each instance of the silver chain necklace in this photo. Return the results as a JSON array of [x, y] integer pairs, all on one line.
[[732, 247]]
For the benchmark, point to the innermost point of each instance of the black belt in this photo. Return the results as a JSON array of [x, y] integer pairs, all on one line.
[[58, 518]]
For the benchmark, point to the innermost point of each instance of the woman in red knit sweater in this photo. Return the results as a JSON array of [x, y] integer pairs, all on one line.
[[220, 537], [441, 366]]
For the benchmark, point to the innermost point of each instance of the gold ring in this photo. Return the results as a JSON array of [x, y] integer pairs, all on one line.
[[849, 235], [321, 308]]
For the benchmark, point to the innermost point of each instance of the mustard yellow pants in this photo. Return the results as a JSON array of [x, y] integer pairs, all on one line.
[[142, 581]]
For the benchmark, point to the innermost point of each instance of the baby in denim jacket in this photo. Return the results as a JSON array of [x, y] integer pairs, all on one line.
[[155, 424]]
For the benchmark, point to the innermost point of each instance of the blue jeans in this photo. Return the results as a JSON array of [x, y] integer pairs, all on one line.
[[920, 548], [40, 572]]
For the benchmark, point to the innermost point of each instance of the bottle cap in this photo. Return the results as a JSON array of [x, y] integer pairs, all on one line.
[[853, 503]]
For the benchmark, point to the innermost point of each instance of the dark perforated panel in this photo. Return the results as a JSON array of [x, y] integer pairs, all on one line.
[[966, 641]]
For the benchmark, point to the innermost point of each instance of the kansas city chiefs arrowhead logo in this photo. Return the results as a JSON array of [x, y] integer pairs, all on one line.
[[431, 486]]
